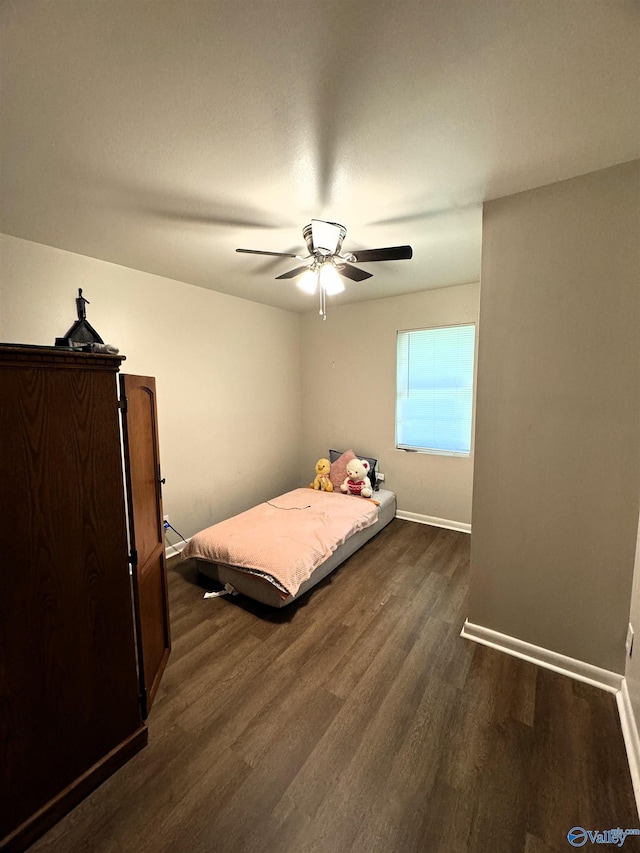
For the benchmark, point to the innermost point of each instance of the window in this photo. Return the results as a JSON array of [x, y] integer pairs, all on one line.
[[434, 402]]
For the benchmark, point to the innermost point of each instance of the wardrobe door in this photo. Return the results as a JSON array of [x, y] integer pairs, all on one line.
[[146, 532], [69, 709]]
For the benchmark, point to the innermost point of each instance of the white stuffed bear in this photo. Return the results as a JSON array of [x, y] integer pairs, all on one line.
[[357, 482]]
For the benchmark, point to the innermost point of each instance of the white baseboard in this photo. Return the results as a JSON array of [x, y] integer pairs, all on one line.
[[578, 669], [174, 550], [461, 526], [631, 737]]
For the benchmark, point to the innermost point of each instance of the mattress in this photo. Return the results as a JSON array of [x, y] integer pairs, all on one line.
[[261, 589]]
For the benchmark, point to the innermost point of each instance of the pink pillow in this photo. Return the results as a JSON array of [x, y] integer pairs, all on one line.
[[338, 472]]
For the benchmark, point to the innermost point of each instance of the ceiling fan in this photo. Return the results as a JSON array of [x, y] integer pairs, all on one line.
[[327, 264]]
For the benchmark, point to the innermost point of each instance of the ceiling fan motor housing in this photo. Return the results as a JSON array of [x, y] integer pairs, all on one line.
[[334, 238]]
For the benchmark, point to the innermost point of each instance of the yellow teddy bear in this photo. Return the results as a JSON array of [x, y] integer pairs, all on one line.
[[322, 481]]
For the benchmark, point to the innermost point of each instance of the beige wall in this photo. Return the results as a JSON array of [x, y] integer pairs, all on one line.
[[227, 371], [557, 468], [235, 427], [349, 386]]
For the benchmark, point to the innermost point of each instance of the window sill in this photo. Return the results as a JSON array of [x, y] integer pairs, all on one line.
[[429, 452]]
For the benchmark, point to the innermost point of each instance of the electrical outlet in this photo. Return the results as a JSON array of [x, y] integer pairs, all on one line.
[[380, 477], [629, 644], [165, 522]]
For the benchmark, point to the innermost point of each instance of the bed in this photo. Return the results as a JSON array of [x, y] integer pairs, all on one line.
[[278, 550]]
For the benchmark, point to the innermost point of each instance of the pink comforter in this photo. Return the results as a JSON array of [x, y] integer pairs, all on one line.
[[286, 538]]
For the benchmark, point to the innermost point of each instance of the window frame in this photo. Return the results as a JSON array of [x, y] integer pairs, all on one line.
[[435, 451]]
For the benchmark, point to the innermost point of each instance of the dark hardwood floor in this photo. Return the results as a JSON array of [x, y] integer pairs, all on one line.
[[358, 720]]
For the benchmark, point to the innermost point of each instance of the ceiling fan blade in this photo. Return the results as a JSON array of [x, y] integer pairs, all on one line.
[[292, 273], [354, 273], [275, 254], [392, 253]]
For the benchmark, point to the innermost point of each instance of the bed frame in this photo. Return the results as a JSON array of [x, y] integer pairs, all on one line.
[[260, 589]]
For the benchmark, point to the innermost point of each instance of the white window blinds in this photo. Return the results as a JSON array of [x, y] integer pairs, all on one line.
[[434, 403]]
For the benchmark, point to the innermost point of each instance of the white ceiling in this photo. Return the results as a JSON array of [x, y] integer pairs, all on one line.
[[163, 135]]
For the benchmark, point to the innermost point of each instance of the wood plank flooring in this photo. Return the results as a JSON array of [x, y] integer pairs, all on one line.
[[357, 719]]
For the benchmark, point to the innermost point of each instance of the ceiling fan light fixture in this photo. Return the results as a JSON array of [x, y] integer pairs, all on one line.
[[330, 280], [308, 281]]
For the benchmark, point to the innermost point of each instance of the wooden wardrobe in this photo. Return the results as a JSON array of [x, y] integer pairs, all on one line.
[[84, 626]]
